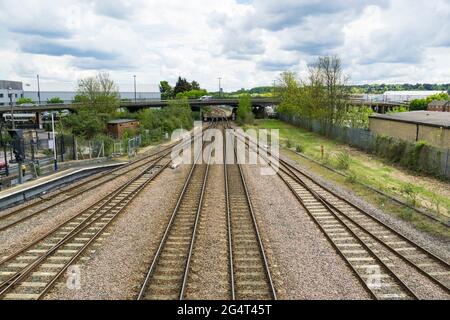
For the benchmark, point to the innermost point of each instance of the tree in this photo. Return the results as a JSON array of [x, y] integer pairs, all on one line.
[[55, 100], [86, 123], [166, 90], [99, 93], [182, 86], [244, 112], [195, 85], [192, 94], [24, 101]]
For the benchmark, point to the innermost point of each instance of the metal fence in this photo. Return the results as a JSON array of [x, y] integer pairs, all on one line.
[[422, 158]]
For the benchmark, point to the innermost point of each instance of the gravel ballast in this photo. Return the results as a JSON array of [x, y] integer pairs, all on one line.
[[304, 265], [117, 269]]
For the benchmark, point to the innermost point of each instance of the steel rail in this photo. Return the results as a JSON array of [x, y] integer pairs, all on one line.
[[83, 249], [405, 287], [105, 198], [383, 243], [194, 232], [38, 212], [255, 225], [430, 255], [20, 275], [230, 237], [155, 259]]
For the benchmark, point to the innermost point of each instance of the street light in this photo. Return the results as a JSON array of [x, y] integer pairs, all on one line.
[[11, 106], [220, 87], [39, 90], [135, 95]]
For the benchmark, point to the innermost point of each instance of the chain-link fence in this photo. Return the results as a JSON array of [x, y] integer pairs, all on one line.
[[414, 156]]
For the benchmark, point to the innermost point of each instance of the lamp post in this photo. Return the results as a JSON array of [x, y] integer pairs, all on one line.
[[135, 94], [220, 87], [3, 144], [11, 106], [39, 90]]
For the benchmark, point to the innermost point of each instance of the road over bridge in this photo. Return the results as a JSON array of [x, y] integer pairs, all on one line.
[[378, 106]]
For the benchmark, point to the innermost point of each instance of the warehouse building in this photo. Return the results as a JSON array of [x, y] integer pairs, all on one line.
[[408, 96], [10, 90], [432, 127]]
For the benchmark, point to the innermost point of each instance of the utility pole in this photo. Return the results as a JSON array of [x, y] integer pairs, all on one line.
[[54, 143], [135, 94], [39, 90], [3, 144], [220, 87], [11, 106]]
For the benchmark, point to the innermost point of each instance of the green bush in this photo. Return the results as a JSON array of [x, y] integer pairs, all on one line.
[[410, 192], [343, 160], [300, 149]]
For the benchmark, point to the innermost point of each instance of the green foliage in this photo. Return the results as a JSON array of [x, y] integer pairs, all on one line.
[[176, 116], [343, 160], [244, 113], [352, 177], [166, 90], [86, 123], [418, 104], [192, 94], [55, 100], [410, 192], [182, 86], [322, 96], [381, 88], [21, 101], [99, 93], [422, 104], [398, 109], [300, 148]]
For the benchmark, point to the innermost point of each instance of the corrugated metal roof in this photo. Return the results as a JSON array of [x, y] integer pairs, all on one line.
[[430, 118], [119, 121]]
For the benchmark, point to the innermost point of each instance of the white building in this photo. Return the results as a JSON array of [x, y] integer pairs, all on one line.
[[407, 96], [8, 90]]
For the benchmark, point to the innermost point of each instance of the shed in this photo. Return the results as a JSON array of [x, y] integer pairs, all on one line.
[[116, 128], [432, 127]]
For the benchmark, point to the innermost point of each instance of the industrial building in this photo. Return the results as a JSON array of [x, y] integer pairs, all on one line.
[[432, 127], [408, 96], [15, 88], [10, 90]]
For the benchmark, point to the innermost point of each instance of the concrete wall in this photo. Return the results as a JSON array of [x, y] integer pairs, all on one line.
[[436, 136]]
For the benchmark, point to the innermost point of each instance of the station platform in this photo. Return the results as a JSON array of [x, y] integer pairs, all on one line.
[[31, 189]]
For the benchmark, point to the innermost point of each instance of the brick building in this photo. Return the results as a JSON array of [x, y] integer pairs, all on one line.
[[439, 105], [116, 128]]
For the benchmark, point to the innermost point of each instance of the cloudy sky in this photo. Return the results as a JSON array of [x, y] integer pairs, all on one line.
[[246, 42]]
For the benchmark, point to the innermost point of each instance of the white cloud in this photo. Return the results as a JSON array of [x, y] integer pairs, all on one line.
[[247, 43]]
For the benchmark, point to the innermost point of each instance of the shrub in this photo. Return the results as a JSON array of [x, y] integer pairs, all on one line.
[[352, 177], [300, 149], [410, 192], [343, 161]]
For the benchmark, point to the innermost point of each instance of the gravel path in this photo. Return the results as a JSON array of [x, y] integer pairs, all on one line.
[[116, 270], [303, 263]]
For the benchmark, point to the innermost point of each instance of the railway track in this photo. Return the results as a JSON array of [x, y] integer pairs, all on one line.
[[374, 251], [44, 204], [250, 276], [31, 272], [166, 278], [168, 275]]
